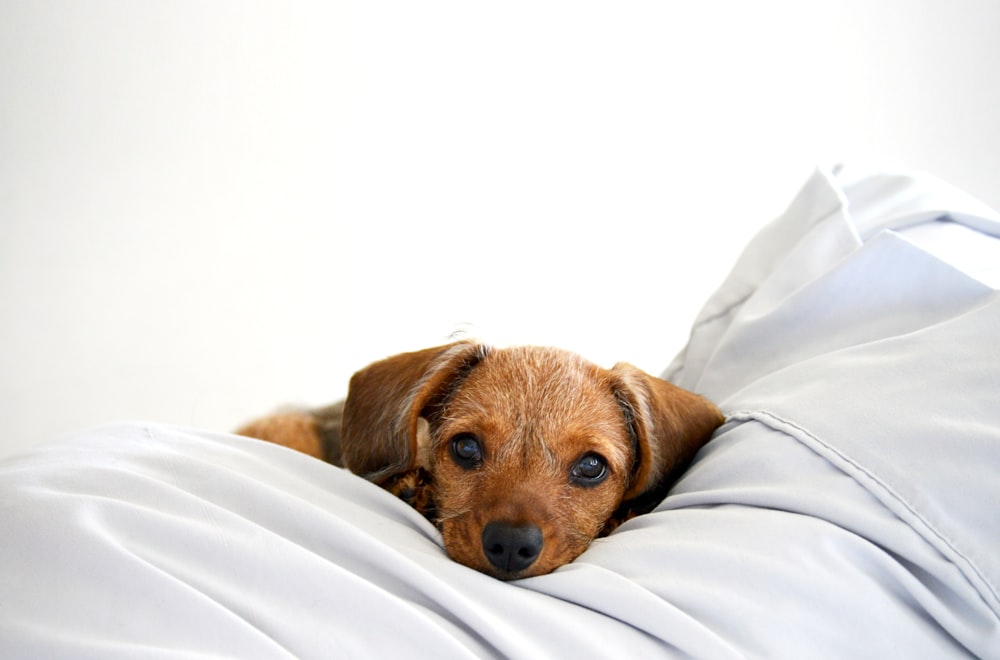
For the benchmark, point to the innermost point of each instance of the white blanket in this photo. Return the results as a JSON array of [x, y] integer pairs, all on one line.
[[848, 508]]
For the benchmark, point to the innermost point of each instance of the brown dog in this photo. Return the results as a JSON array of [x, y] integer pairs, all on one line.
[[520, 456]]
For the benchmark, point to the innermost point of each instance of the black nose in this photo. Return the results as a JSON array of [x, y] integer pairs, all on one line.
[[511, 548]]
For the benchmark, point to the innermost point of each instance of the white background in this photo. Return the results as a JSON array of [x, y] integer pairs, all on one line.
[[208, 209]]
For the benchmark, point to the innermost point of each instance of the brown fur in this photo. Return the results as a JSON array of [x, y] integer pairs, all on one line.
[[534, 414]]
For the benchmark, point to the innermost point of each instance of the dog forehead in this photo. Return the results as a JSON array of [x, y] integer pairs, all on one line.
[[532, 377], [547, 393]]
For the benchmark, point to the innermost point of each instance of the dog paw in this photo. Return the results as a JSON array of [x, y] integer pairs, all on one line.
[[416, 488]]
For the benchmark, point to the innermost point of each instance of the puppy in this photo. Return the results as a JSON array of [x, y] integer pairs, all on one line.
[[520, 456]]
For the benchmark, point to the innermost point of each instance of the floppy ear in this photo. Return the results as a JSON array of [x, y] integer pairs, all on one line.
[[386, 399], [667, 425]]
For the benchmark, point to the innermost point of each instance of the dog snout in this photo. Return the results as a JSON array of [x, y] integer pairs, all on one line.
[[511, 548]]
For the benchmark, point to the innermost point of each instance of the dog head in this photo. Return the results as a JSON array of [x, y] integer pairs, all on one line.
[[532, 452]]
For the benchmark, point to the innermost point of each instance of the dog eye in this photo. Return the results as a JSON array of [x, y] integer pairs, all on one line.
[[590, 470], [466, 450]]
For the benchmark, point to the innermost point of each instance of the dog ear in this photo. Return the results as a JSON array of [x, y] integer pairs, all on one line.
[[386, 399], [667, 426]]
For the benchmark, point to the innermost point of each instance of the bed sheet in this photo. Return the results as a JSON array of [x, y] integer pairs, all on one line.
[[846, 508]]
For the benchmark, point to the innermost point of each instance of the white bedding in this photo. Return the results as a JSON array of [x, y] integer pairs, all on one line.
[[848, 508]]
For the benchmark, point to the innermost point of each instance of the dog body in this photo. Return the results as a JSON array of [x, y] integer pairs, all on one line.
[[521, 456]]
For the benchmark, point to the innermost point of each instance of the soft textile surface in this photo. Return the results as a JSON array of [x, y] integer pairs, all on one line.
[[848, 508]]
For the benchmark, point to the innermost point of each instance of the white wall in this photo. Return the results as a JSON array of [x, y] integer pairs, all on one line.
[[211, 208]]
